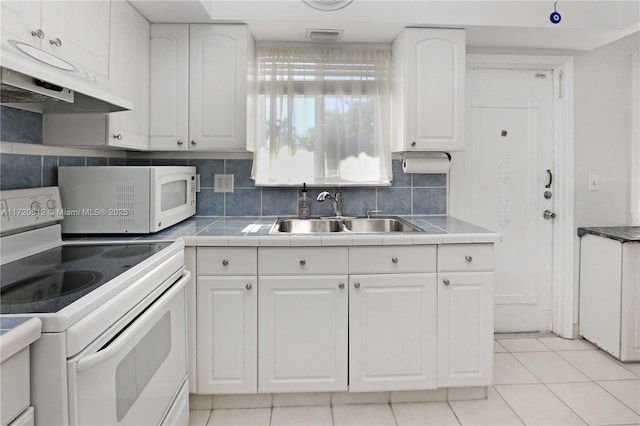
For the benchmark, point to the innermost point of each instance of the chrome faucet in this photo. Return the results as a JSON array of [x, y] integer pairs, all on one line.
[[336, 201]]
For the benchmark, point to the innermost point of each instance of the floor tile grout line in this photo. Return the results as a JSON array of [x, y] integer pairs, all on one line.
[[564, 402], [621, 401], [454, 411], [393, 413], [508, 405]]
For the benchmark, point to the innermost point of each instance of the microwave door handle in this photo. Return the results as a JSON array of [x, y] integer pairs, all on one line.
[[101, 356]]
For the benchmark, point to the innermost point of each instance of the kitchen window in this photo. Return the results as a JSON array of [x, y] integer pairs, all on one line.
[[323, 117]]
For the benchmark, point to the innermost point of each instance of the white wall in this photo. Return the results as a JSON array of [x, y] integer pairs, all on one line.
[[603, 134]]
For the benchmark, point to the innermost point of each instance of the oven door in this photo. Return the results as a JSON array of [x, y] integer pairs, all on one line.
[[133, 378]]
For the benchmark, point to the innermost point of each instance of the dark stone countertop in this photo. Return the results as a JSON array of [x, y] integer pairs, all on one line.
[[624, 234]]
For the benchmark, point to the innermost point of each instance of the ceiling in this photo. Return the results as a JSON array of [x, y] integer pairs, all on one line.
[[585, 25]]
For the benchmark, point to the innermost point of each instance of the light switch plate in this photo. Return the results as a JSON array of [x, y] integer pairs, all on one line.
[[222, 183]]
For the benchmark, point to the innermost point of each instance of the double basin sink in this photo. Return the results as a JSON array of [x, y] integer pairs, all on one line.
[[359, 225]]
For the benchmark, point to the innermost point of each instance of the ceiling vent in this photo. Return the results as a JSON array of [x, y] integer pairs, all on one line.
[[324, 35]]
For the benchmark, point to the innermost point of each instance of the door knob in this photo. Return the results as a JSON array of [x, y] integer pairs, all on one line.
[[548, 214]]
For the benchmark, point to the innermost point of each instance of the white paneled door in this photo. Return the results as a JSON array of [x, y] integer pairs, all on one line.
[[503, 181]]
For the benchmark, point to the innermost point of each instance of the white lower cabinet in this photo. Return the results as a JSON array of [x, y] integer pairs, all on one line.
[[335, 319], [226, 335], [392, 332], [227, 320], [303, 333], [465, 329]]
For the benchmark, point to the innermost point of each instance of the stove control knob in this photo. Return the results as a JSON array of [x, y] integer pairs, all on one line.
[[36, 206], [51, 204]]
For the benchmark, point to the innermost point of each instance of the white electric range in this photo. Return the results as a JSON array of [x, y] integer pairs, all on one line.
[[113, 348]]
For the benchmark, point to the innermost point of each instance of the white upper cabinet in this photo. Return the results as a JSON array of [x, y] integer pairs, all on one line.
[[169, 87], [428, 90], [211, 63], [129, 70], [77, 31]]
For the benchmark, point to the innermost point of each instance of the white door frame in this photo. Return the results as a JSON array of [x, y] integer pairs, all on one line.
[[564, 232]]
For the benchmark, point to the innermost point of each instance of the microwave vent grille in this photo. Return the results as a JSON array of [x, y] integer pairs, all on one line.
[[125, 200]]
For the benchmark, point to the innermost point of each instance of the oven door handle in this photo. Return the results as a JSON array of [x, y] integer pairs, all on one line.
[[125, 337]]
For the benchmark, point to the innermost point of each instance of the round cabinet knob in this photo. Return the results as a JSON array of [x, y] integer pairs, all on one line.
[[51, 204], [180, 142], [356, 285], [36, 205], [56, 42], [225, 262], [193, 142], [341, 286], [118, 136], [413, 143], [303, 262], [394, 259], [446, 282], [468, 258], [38, 33], [249, 286]]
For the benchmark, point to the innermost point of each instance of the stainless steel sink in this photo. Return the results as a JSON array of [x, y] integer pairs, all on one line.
[[357, 225], [379, 225], [305, 226]]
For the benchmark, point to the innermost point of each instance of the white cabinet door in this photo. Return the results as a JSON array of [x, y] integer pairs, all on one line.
[[227, 334], [218, 64], [169, 87], [129, 71], [392, 332], [303, 334], [78, 31], [465, 329], [429, 68], [19, 19]]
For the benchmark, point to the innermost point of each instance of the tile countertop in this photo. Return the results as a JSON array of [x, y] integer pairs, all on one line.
[[16, 333], [624, 234], [254, 231]]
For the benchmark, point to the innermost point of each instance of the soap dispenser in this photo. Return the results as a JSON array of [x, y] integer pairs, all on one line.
[[304, 204]]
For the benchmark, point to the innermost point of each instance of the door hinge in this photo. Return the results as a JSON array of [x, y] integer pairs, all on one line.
[[560, 84]]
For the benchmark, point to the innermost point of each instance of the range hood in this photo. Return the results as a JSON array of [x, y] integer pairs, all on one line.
[[30, 78], [18, 88]]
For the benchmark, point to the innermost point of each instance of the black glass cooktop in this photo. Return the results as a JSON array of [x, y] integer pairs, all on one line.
[[50, 280]]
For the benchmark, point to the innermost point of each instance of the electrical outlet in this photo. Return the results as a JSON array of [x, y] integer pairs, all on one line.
[[594, 182], [222, 183]]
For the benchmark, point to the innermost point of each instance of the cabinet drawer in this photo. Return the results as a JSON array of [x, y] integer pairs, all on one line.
[[227, 261], [303, 260], [392, 259], [465, 257]]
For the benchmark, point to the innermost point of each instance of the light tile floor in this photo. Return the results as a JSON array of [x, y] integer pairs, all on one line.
[[538, 380]]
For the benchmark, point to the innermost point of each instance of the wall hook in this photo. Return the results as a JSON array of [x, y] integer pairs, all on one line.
[[555, 17]]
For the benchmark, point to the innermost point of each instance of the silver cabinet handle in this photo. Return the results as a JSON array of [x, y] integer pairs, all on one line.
[[118, 136], [56, 42], [225, 262], [248, 286], [356, 285], [38, 33], [193, 142], [303, 262], [394, 259], [341, 286], [180, 142], [446, 282], [468, 258]]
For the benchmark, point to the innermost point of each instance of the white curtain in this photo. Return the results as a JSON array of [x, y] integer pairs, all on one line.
[[323, 117]]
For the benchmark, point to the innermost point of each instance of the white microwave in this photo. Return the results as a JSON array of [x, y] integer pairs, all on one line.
[[125, 199]]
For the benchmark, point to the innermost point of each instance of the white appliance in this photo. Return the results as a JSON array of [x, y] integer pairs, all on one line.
[[113, 344], [126, 199]]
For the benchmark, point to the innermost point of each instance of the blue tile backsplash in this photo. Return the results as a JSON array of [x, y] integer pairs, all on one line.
[[409, 193]]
